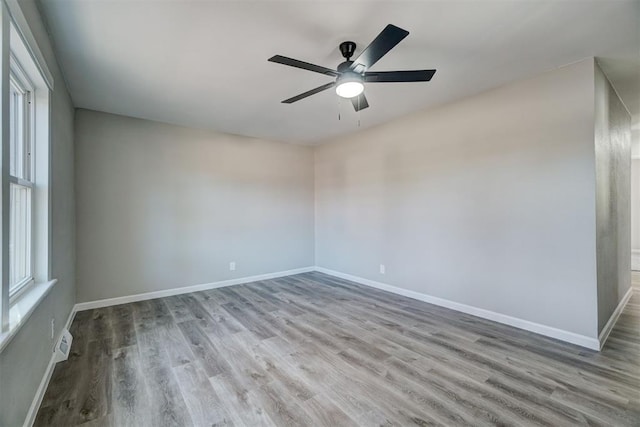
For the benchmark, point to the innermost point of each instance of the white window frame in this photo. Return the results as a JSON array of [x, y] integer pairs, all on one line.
[[21, 57], [19, 79]]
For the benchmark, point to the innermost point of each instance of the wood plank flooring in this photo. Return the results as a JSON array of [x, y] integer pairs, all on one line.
[[312, 349]]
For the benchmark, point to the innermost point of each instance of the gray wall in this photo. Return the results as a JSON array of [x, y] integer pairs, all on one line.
[[162, 206], [23, 362], [488, 201], [613, 209], [635, 209], [635, 214], [635, 199]]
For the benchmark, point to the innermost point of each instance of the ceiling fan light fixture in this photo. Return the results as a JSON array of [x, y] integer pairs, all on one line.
[[349, 85]]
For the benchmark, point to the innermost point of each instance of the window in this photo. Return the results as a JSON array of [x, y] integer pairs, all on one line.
[[25, 86], [20, 181]]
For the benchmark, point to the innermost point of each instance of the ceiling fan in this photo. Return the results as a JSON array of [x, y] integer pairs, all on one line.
[[351, 75]]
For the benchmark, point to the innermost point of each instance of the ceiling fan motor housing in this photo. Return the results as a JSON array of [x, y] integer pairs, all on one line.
[[345, 67]]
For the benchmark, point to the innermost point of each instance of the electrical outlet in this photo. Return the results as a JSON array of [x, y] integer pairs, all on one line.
[[382, 269], [53, 328], [232, 266]]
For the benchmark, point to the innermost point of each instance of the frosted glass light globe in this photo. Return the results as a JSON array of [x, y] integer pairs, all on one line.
[[349, 85], [349, 89]]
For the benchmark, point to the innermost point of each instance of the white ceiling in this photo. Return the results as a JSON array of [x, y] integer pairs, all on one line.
[[204, 63]]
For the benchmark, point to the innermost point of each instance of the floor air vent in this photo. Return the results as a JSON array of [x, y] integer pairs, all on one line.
[[64, 346]]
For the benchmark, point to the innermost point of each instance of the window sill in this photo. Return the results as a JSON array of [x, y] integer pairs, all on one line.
[[22, 309]]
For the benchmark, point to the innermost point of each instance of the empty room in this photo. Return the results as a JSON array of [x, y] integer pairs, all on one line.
[[319, 213]]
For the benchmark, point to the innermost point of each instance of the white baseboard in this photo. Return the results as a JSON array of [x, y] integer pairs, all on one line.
[[185, 290], [614, 318], [571, 337], [44, 383]]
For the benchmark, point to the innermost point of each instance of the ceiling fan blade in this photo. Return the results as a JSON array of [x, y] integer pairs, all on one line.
[[304, 65], [359, 102], [398, 76], [383, 43], [309, 93]]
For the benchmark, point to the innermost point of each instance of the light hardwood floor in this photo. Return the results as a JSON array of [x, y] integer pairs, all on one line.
[[312, 349]]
